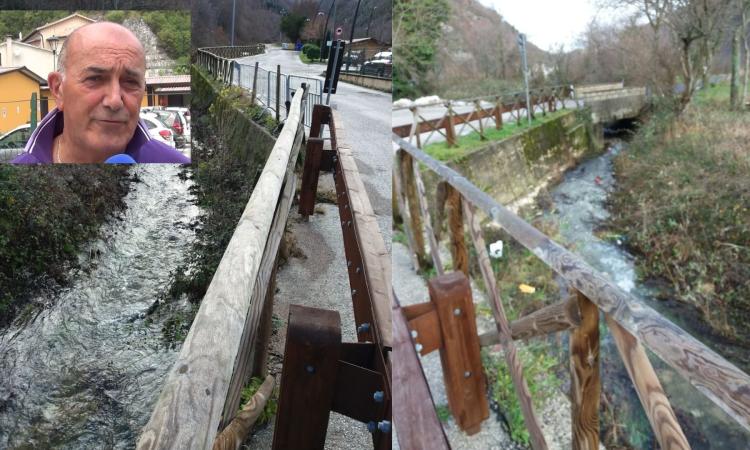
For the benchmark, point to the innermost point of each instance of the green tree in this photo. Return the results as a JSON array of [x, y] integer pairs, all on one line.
[[292, 24], [417, 29]]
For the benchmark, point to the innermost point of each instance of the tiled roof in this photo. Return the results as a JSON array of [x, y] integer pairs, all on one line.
[[168, 79]]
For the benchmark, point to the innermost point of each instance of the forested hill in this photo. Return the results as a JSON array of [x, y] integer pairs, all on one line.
[[259, 20]]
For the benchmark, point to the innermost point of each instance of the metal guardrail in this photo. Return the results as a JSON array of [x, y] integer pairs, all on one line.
[[634, 326], [202, 391]]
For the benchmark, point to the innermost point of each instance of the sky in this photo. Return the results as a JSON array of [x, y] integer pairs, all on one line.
[[548, 23]]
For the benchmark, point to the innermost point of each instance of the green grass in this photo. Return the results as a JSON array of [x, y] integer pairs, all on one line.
[[715, 95], [473, 141], [271, 405]]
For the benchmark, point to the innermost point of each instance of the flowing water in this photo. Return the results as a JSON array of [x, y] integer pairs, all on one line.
[[85, 372], [579, 208]]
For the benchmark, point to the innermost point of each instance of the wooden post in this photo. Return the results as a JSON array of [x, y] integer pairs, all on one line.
[[498, 114], [278, 90], [655, 402], [400, 195], [511, 357], [308, 380], [585, 384], [480, 112], [465, 384], [415, 215], [310, 175], [450, 132], [255, 83], [459, 254], [434, 250]]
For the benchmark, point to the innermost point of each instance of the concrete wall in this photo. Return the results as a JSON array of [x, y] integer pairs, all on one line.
[[367, 81], [513, 170]]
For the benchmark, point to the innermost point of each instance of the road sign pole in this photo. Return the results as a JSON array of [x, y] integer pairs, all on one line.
[[522, 48], [335, 64]]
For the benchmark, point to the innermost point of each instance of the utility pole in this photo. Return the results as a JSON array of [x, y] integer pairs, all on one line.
[[522, 49], [325, 31], [351, 37], [367, 33], [234, 6]]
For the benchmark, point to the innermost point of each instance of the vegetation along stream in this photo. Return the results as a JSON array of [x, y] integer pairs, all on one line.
[[579, 207], [85, 372]]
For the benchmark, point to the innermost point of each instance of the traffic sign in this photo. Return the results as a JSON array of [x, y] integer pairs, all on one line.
[[339, 31]]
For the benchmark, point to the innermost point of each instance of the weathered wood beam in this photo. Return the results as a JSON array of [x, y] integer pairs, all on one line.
[[424, 209], [399, 193], [721, 381], [511, 357], [560, 316], [415, 216], [232, 437], [459, 253], [585, 383], [413, 409], [655, 402]]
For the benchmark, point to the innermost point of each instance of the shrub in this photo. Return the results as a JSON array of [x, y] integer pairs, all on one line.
[[312, 51]]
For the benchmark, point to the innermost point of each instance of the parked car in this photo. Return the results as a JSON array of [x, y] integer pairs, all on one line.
[[158, 129], [13, 142], [380, 65], [177, 122], [184, 114]]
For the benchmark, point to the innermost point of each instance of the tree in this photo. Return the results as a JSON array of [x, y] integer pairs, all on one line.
[[292, 24]]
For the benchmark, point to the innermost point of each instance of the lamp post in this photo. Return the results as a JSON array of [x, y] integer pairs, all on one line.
[[325, 30], [351, 36], [234, 5], [53, 42]]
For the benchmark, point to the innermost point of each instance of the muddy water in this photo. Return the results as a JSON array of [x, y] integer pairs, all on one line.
[[579, 208], [85, 372]]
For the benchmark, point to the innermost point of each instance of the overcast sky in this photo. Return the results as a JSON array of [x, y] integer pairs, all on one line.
[[548, 23]]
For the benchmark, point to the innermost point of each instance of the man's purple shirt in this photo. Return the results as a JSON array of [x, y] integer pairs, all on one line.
[[142, 148]]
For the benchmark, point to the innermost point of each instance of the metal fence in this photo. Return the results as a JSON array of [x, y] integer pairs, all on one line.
[[275, 89]]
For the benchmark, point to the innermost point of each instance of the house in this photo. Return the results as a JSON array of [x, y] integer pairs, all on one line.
[[59, 29], [167, 90], [17, 84], [17, 54], [369, 45]]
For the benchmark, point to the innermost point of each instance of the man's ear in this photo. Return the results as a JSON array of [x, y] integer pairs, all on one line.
[[54, 81]]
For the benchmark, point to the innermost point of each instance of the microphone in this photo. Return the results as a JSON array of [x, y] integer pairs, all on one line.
[[120, 158]]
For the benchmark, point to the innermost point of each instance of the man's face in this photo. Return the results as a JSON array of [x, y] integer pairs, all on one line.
[[101, 90]]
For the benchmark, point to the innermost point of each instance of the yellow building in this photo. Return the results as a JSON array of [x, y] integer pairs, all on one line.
[[16, 86], [59, 29]]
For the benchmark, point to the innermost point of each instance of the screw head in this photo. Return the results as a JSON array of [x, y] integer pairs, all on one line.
[[378, 396], [363, 328], [457, 312], [414, 334], [349, 223], [354, 292], [310, 368], [371, 426], [358, 270], [419, 348], [384, 426], [467, 374]]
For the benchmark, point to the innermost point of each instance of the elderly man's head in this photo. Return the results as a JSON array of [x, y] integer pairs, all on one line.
[[99, 88]]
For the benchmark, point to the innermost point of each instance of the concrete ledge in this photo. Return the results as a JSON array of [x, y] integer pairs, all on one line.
[[381, 84]]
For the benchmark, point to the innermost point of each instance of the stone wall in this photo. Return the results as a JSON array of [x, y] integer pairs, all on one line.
[[513, 170], [379, 84], [246, 139]]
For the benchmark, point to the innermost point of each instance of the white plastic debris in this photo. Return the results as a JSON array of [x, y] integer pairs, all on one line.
[[496, 249]]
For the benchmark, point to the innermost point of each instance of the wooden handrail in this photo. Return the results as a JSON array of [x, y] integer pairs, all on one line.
[[189, 409], [714, 376]]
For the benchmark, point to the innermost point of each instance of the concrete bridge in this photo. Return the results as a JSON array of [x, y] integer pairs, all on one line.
[[611, 101]]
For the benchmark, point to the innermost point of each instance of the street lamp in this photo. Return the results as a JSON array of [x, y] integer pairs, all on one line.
[[351, 37], [53, 41]]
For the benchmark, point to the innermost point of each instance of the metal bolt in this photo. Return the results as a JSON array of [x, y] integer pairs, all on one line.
[[349, 223], [310, 368], [346, 206], [467, 374], [343, 223], [371, 426], [419, 348], [354, 292], [364, 328], [414, 334], [348, 264], [384, 426], [358, 270], [457, 312], [378, 396]]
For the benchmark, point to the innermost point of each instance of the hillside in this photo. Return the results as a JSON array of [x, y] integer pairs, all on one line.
[[258, 20]]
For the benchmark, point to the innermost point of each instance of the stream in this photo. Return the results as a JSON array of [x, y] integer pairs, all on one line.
[[86, 371], [579, 208]]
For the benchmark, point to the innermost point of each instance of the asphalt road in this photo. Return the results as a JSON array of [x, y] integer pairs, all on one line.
[[366, 114]]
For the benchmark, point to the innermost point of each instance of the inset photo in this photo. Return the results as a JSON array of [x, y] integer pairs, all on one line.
[[94, 87]]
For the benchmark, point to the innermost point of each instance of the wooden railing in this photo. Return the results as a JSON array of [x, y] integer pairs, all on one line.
[[218, 61], [228, 339], [634, 327], [475, 112], [322, 374]]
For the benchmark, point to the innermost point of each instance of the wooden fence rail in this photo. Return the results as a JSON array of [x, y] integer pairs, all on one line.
[[634, 325], [202, 391], [473, 113]]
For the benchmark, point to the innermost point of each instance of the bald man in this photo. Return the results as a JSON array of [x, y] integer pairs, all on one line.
[[98, 88]]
